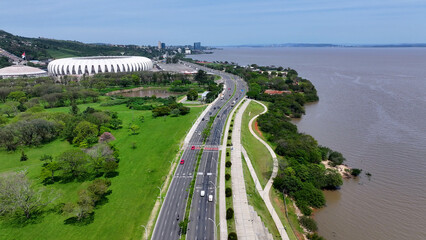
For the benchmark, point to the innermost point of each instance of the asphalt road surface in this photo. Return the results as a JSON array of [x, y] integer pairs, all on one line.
[[202, 215]]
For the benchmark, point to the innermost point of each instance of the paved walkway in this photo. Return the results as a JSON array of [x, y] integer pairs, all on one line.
[[222, 198], [264, 193], [243, 220]]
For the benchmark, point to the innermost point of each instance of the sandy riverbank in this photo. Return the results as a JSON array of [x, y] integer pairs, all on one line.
[[343, 169]]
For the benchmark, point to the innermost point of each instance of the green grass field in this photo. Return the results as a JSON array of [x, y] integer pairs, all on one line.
[[134, 190], [257, 152], [256, 201]]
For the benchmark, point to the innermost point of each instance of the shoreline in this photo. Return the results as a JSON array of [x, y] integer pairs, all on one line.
[[343, 169]]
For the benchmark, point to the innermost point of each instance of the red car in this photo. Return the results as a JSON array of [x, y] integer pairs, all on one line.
[[182, 161], [193, 147], [229, 88]]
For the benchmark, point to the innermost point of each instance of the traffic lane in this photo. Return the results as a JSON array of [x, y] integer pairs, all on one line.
[[204, 205], [195, 208], [173, 199]]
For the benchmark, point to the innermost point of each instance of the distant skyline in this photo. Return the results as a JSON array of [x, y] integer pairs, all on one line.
[[218, 23]]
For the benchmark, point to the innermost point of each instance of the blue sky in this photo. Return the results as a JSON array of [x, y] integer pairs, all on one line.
[[218, 22]]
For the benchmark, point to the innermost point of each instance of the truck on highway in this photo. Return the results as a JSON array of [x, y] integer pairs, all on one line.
[[210, 198]]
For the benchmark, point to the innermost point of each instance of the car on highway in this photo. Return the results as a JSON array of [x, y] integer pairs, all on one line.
[[210, 198], [202, 193], [182, 161], [193, 147]]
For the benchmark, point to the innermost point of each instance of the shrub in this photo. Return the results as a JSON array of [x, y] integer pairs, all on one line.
[[304, 208], [232, 236], [336, 158], [314, 236], [24, 157], [228, 192], [308, 223], [229, 213], [227, 154], [227, 176], [228, 164], [229, 137], [356, 171]]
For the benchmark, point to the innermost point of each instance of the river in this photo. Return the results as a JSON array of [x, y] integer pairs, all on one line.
[[372, 108]]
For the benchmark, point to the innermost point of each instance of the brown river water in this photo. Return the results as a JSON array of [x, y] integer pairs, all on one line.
[[372, 108]]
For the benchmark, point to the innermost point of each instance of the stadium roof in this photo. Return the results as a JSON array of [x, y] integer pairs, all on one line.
[[20, 70]]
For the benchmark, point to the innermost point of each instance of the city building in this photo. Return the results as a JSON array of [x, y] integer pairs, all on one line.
[[16, 71], [159, 44], [197, 46], [163, 46], [179, 50], [187, 51], [102, 64]]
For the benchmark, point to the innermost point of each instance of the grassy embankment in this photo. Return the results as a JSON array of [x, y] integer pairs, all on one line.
[[263, 164], [134, 190], [257, 152]]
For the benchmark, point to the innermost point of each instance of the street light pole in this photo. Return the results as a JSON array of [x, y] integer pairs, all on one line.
[[146, 233], [160, 188], [215, 226]]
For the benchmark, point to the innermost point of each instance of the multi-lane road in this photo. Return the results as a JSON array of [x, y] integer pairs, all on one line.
[[202, 214]]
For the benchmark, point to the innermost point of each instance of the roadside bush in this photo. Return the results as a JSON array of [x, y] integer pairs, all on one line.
[[228, 192], [228, 164], [227, 154], [229, 213], [308, 223], [232, 236], [227, 176], [229, 137]]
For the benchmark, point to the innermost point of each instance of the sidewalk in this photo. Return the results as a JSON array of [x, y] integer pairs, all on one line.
[[243, 220]]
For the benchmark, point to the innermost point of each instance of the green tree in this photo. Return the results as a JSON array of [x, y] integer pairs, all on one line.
[[10, 108], [192, 95], [16, 96], [74, 163], [85, 132], [134, 129]]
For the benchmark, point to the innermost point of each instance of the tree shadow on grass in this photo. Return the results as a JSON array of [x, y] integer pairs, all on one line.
[[82, 222], [19, 220], [111, 174]]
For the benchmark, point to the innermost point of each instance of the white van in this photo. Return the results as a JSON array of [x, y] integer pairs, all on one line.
[[210, 198], [202, 193]]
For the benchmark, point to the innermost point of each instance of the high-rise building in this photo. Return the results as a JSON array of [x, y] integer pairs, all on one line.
[[197, 46], [163, 46], [159, 44]]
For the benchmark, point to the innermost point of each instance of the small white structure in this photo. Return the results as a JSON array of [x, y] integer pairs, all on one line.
[[102, 64], [204, 95], [187, 51], [15, 71]]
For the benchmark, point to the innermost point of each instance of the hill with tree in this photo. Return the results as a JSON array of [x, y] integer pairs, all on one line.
[[44, 48]]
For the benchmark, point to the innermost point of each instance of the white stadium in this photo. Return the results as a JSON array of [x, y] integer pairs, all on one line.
[[94, 65]]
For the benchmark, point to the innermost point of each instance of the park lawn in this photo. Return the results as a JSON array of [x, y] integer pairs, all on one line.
[[134, 190], [259, 155], [256, 201]]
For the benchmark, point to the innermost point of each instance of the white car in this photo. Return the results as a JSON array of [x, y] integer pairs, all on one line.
[[202, 193], [210, 198]]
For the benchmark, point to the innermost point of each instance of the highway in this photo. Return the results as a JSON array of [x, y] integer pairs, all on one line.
[[202, 214]]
